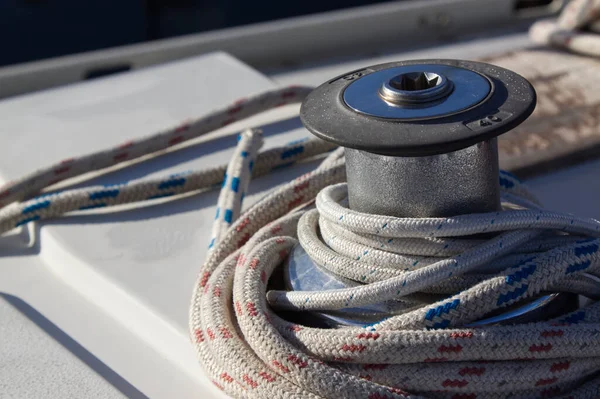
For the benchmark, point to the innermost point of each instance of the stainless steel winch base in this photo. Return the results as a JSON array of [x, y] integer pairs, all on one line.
[[455, 183]]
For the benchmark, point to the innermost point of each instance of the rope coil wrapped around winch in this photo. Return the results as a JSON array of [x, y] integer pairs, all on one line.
[[249, 350]]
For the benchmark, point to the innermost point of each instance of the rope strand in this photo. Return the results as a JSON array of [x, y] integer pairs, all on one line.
[[249, 350], [241, 327]]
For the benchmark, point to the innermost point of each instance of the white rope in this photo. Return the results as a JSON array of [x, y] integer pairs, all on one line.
[[237, 323], [569, 31], [230, 318], [235, 183], [54, 204], [248, 350]]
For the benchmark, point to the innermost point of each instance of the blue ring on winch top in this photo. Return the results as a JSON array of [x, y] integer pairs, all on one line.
[[470, 89]]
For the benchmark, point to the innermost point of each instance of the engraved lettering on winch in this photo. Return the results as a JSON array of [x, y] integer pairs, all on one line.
[[349, 76], [353, 76], [488, 121]]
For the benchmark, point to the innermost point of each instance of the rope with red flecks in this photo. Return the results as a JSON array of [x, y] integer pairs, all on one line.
[[18, 206], [248, 350]]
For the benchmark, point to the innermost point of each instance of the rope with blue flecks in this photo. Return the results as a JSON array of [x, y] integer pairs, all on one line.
[[248, 350], [54, 204], [235, 183]]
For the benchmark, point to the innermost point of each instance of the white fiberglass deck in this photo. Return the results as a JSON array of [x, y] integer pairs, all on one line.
[[108, 292]]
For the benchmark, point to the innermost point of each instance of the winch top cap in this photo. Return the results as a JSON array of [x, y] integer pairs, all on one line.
[[418, 108]]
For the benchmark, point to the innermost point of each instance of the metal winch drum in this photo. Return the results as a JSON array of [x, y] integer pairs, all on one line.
[[420, 140]]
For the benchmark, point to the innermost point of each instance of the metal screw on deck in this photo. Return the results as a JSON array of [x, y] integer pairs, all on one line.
[[420, 136], [421, 141]]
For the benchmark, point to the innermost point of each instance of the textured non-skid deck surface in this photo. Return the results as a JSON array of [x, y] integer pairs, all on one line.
[[565, 126], [34, 349]]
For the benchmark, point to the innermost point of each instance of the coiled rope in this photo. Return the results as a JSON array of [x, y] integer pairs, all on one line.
[[249, 350]]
